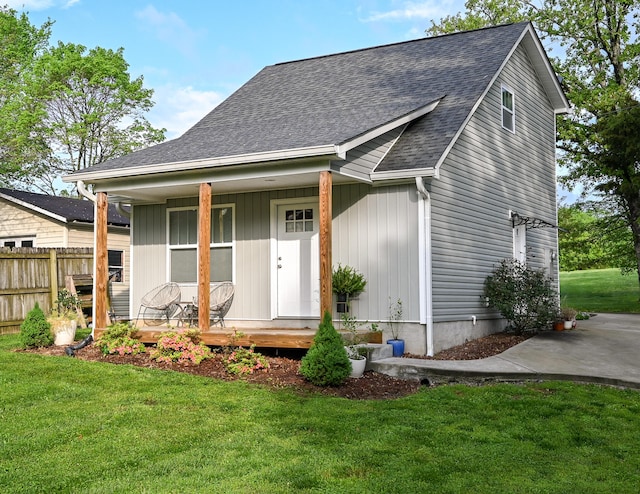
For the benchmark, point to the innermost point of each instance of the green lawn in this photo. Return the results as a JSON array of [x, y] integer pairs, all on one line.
[[73, 426], [600, 290]]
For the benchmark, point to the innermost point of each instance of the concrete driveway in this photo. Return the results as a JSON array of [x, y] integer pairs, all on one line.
[[604, 349]]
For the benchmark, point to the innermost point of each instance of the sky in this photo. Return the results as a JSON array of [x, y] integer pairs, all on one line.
[[195, 53]]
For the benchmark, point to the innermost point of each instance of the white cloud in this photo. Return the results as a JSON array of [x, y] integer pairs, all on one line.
[[410, 11], [178, 108], [169, 28]]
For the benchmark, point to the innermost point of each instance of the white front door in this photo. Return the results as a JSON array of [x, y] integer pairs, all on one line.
[[298, 262]]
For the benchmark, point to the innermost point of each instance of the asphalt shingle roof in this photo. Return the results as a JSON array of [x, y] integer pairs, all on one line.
[[73, 210], [332, 99]]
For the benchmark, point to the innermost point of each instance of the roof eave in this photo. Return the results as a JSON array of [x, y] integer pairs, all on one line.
[[159, 168], [404, 174], [35, 209]]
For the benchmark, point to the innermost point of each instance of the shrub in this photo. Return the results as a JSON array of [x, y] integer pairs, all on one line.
[[326, 363], [524, 296], [118, 338], [35, 331], [347, 281], [182, 346], [242, 361]]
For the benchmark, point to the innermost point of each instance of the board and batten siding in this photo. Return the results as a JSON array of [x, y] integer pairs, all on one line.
[[374, 230], [489, 172], [252, 236]]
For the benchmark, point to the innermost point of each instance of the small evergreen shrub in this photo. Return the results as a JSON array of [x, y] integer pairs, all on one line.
[[326, 363], [525, 297], [118, 338], [182, 346], [35, 331]]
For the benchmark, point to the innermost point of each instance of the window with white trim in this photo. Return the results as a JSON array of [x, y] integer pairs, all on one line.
[[508, 110], [18, 242], [183, 244]]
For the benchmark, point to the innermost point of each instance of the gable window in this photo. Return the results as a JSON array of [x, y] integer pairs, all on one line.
[[116, 265], [508, 110], [183, 244]]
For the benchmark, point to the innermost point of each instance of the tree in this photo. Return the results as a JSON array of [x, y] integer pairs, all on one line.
[[64, 108], [94, 110], [598, 64], [20, 112], [589, 238]]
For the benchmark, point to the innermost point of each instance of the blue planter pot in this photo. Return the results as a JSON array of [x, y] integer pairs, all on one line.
[[398, 347]]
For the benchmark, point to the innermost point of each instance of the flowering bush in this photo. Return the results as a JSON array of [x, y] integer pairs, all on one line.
[[182, 346], [242, 361], [118, 338]]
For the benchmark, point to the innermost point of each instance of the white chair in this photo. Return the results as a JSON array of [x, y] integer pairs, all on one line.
[[221, 298], [159, 304]]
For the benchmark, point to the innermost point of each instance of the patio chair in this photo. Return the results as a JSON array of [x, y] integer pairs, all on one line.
[[221, 298], [160, 304]]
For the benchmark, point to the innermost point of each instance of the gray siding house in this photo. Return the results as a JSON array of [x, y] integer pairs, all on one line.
[[434, 159]]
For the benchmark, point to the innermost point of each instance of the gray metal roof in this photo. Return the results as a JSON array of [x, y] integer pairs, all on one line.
[[331, 99], [70, 209]]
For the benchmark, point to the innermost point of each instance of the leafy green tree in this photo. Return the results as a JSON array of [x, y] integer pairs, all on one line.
[[578, 248], [64, 107], [598, 47], [590, 237], [94, 109], [21, 113]]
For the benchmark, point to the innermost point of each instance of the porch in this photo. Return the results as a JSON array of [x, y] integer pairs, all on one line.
[[260, 337]]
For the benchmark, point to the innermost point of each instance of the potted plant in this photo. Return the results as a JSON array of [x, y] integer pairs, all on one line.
[[395, 315], [569, 316], [64, 318], [355, 352], [347, 283]]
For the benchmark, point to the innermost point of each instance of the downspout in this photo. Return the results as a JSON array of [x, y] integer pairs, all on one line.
[[122, 211], [92, 197], [425, 275]]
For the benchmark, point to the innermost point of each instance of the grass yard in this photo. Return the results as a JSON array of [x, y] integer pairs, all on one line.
[[75, 426], [600, 290]]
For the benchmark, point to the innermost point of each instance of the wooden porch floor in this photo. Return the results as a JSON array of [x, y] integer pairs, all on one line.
[[262, 337]]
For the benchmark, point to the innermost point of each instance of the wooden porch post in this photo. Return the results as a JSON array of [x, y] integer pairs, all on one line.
[[326, 216], [204, 255], [101, 262]]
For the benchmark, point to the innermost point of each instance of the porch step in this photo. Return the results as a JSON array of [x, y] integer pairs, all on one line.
[[261, 338]]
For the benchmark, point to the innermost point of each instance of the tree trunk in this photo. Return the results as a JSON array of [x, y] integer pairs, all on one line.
[[633, 206]]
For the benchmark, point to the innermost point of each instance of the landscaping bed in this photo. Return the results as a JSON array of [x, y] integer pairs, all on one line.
[[284, 370]]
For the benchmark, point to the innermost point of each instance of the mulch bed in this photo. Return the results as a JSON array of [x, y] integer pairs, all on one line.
[[284, 370]]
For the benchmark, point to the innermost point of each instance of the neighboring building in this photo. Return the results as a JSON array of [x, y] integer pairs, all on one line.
[[435, 159], [38, 220]]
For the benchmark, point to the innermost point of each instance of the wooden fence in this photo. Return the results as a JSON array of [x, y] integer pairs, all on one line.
[[30, 275]]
